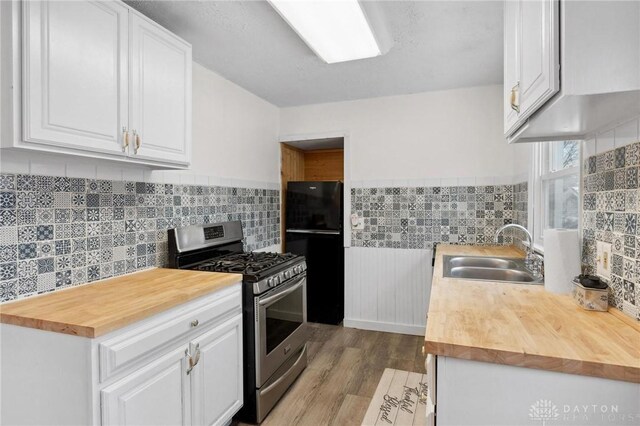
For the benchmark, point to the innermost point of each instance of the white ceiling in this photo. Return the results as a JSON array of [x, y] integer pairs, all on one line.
[[433, 45]]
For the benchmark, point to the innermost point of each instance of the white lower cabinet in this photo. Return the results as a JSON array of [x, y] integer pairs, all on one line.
[[135, 399], [430, 366], [180, 367], [484, 393], [216, 381]]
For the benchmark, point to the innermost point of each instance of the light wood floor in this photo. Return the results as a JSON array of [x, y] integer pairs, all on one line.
[[344, 368]]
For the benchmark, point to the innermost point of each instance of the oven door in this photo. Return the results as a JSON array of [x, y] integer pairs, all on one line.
[[281, 316]]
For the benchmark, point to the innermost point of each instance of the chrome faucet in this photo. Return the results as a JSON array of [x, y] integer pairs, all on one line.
[[520, 227], [529, 258]]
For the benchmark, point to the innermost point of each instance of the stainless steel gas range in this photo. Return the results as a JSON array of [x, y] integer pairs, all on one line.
[[274, 311]]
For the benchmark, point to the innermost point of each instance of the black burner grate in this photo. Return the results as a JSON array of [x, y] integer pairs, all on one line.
[[246, 263]]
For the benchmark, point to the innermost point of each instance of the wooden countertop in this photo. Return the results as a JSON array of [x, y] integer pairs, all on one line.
[[526, 326], [95, 309]]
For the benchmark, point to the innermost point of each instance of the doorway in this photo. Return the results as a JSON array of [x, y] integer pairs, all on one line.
[[309, 160], [312, 206]]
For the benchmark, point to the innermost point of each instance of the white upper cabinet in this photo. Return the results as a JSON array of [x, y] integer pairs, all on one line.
[[511, 64], [539, 54], [160, 93], [571, 68], [97, 79], [75, 74], [532, 60]]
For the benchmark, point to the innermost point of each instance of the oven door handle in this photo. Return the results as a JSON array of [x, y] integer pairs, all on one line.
[[286, 375], [281, 294]]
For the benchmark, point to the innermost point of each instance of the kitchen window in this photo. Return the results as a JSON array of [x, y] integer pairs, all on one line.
[[556, 187]]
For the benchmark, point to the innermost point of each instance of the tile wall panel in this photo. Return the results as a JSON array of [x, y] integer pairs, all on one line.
[[611, 210], [61, 231], [419, 217], [521, 203]]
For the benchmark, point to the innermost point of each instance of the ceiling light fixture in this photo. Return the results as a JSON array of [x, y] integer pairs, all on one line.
[[336, 30]]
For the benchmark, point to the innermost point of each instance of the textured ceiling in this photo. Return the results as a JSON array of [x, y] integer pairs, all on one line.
[[432, 45]]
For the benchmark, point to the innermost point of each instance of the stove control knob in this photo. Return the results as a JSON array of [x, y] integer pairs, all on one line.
[[270, 282], [297, 269], [287, 274]]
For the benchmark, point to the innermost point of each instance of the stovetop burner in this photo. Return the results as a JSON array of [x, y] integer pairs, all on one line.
[[246, 263]]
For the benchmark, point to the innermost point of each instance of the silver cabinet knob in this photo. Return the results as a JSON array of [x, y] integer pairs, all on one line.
[[195, 323]]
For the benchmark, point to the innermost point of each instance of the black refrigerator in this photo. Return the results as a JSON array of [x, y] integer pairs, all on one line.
[[313, 226]]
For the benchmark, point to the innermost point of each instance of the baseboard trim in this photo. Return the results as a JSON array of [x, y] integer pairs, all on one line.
[[415, 330]]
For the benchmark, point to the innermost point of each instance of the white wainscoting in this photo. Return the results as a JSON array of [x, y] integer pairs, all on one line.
[[387, 289]]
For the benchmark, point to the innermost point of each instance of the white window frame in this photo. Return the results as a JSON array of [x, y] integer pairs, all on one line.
[[540, 173]]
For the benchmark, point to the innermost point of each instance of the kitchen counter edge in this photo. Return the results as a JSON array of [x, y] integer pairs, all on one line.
[[437, 344], [95, 309]]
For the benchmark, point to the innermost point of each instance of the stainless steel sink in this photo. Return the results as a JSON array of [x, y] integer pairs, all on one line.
[[489, 269], [483, 262]]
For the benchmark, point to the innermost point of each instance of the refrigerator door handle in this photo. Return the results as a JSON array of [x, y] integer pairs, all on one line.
[[312, 231]]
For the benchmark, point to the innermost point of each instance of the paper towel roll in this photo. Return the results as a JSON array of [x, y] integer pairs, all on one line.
[[561, 259]]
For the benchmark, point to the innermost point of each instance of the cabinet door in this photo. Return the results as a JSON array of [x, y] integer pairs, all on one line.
[[539, 54], [157, 394], [160, 93], [216, 381], [75, 74], [511, 64]]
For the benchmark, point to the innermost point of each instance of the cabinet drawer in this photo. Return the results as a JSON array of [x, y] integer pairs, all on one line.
[[134, 346]]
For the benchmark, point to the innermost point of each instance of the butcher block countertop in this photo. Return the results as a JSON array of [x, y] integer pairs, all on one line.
[[526, 326], [95, 309]]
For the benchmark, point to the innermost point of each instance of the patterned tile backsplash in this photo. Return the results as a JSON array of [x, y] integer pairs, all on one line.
[[611, 210], [521, 206], [60, 231], [418, 218]]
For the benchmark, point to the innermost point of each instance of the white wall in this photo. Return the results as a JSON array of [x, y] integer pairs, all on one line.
[[449, 134], [618, 136], [235, 137], [522, 153], [234, 131]]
